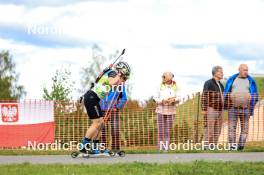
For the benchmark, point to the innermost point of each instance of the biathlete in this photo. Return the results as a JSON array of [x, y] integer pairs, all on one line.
[[109, 80]]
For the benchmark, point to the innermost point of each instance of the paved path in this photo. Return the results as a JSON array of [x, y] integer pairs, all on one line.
[[149, 158]]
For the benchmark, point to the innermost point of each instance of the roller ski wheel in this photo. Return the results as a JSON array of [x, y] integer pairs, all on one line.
[[79, 154], [121, 153], [75, 154], [112, 154]]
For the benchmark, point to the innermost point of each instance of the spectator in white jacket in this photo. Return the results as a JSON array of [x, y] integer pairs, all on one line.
[[166, 107]]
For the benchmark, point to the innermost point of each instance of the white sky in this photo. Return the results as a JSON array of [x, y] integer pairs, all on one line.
[[185, 37]]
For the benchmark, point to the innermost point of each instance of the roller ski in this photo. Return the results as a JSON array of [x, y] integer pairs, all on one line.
[[97, 153]]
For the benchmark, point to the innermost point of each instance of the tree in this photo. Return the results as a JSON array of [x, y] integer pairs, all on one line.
[[62, 86], [9, 89], [90, 73]]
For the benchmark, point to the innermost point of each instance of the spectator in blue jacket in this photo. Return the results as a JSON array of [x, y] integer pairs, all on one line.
[[241, 96], [118, 99]]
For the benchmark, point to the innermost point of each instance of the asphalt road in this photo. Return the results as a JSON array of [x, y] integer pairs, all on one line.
[[147, 158]]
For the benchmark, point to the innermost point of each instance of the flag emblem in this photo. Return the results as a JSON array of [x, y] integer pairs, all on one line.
[[9, 112]]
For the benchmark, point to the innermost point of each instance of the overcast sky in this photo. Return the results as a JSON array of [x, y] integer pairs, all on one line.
[[186, 37]]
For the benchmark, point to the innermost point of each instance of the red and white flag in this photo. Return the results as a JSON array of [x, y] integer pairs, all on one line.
[[26, 121]]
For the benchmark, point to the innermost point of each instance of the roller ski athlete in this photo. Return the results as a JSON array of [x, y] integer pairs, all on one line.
[[111, 78]]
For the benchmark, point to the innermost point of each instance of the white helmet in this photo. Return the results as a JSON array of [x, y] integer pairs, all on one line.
[[124, 68]]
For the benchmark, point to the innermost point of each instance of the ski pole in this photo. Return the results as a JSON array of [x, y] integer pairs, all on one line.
[[107, 68]]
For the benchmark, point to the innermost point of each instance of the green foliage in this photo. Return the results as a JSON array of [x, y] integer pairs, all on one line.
[[62, 87], [260, 84], [9, 89], [90, 73]]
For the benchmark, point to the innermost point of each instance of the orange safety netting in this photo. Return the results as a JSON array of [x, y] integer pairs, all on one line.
[[197, 118]]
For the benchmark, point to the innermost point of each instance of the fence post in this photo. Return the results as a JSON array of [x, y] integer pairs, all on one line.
[[197, 117]]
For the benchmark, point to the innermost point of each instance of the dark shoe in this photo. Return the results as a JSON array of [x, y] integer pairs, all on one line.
[[82, 150], [233, 148], [240, 148]]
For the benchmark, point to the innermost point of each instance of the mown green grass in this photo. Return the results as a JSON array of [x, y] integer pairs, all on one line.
[[197, 168], [21, 152]]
